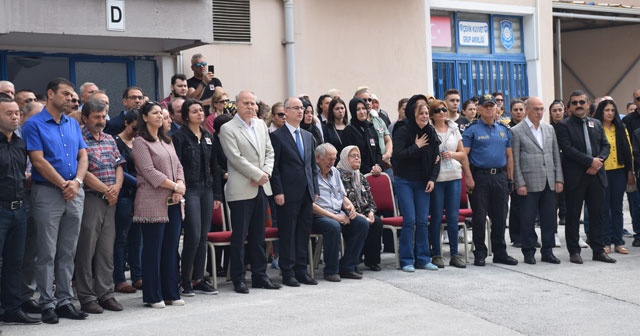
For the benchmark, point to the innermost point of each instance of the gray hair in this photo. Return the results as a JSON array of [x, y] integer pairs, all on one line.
[[246, 91], [84, 86], [288, 101], [93, 105], [322, 149], [195, 57]]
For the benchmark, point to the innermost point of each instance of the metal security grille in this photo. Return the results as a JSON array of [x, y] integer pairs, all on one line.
[[231, 21]]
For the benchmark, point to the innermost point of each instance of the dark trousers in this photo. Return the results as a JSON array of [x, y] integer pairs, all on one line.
[[514, 217], [248, 218], [373, 243], [294, 228], [128, 244], [489, 197], [13, 230], [160, 258], [197, 222], [542, 202], [591, 192]]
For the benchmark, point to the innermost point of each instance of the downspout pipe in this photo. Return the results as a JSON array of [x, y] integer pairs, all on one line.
[[289, 44]]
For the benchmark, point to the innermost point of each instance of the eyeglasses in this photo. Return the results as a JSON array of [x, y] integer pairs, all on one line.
[[638, 98], [280, 115], [29, 100], [354, 156], [368, 100], [439, 109], [136, 97], [299, 108], [200, 64], [73, 100], [578, 102]]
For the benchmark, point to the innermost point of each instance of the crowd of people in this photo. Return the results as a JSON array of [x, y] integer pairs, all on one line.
[[86, 196]]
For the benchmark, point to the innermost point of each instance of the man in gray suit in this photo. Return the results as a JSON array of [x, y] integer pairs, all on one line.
[[537, 174], [250, 156]]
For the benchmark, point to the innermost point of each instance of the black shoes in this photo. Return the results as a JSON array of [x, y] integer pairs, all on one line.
[[550, 258], [265, 283], [505, 259], [575, 258], [636, 242], [479, 262], [69, 311], [290, 281], [350, 275], [19, 317], [49, 316], [241, 287], [531, 260], [374, 267], [306, 279], [604, 258], [31, 307]]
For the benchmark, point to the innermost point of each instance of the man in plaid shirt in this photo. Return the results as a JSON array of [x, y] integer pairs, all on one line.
[[94, 255]]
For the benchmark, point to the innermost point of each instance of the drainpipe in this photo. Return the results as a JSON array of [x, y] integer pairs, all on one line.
[[289, 44]]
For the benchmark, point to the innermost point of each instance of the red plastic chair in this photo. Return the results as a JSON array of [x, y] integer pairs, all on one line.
[[382, 192]]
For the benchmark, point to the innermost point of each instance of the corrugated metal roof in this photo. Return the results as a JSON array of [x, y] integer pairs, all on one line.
[[598, 4]]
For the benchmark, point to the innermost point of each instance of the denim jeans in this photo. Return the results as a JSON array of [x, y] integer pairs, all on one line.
[[446, 195], [612, 221], [414, 206], [128, 244], [197, 222], [13, 231], [354, 235]]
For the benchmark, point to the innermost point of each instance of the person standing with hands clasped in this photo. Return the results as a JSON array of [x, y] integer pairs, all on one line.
[[157, 207], [416, 167]]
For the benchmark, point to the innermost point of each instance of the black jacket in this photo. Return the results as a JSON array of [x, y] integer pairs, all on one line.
[[363, 135], [409, 161], [190, 153]]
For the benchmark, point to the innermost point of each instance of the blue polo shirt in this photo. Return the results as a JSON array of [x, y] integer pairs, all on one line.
[[488, 144], [59, 142]]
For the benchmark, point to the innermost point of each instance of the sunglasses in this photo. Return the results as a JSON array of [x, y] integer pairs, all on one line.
[[200, 64], [638, 98], [73, 100], [223, 101], [280, 115], [578, 102], [368, 100], [439, 110]]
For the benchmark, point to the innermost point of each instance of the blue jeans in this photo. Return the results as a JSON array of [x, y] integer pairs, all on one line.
[[128, 244], [197, 222], [13, 232], [612, 221], [354, 235], [160, 258], [414, 207], [446, 195]]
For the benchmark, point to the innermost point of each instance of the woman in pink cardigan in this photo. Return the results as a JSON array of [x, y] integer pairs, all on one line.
[[157, 208]]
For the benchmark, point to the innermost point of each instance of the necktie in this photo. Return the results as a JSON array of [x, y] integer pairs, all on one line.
[[586, 136], [299, 143]]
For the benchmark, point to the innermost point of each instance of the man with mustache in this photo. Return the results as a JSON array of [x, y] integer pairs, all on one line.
[[584, 148], [94, 255]]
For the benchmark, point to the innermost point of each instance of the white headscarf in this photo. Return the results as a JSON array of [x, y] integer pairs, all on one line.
[[355, 173]]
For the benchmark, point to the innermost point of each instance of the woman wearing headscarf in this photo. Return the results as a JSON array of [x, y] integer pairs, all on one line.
[[360, 133], [416, 168], [359, 193]]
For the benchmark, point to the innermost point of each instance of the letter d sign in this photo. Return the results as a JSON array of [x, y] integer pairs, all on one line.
[[115, 15]]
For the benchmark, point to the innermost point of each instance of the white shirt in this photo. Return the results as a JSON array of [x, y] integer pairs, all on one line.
[[250, 128], [537, 133], [292, 130]]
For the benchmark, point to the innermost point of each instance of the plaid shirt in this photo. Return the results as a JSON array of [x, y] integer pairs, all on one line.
[[104, 156]]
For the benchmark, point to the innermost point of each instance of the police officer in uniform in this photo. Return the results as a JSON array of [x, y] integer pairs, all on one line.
[[488, 145]]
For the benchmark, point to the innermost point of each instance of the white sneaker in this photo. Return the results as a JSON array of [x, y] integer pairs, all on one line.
[[445, 237], [558, 244], [582, 243], [156, 305], [178, 302], [461, 237]]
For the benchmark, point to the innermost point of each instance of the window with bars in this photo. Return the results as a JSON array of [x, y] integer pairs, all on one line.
[[231, 21]]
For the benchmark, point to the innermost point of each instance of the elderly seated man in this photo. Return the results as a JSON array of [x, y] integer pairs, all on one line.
[[333, 213]]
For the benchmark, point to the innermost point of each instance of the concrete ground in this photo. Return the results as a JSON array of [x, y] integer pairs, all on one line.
[[542, 299]]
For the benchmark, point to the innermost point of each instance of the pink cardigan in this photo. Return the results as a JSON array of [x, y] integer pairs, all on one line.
[[155, 162]]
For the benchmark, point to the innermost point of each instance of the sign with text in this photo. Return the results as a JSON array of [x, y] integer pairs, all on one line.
[[441, 31], [115, 15], [473, 34]]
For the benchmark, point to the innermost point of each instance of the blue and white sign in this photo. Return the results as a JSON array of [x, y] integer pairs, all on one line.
[[506, 34], [473, 34]]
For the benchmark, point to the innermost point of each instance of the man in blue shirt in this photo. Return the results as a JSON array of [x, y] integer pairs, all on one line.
[[488, 145], [58, 154]]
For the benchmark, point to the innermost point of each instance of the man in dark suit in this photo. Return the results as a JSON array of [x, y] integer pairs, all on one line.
[[537, 176], [245, 141], [132, 98], [295, 188], [584, 148]]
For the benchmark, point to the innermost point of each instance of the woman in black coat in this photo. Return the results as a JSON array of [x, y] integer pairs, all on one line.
[[360, 132]]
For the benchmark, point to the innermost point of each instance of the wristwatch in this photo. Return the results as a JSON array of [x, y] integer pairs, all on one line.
[[79, 182]]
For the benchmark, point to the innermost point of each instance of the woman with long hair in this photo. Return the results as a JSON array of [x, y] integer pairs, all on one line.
[[619, 169], [128, 243], [308, 123], [197, 153], [337, 121], [157, 207], [446, 193], [219, 100], [323, 108], [416, 168]]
